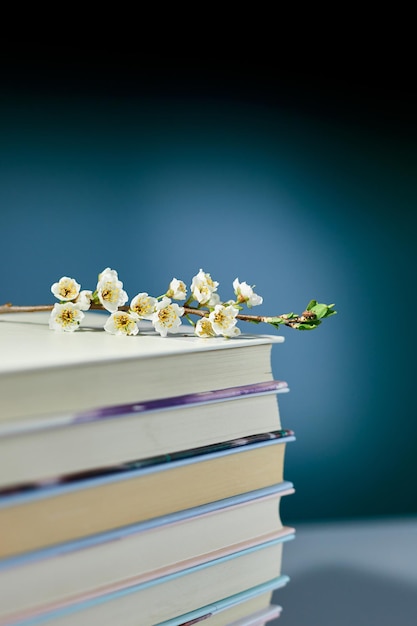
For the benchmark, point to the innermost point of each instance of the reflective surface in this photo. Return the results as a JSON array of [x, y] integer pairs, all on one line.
[[361, 573]]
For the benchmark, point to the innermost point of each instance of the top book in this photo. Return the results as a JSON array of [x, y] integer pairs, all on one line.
[[44, 372]]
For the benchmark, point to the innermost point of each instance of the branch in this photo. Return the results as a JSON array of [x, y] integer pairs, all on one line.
[[256, 319], [290, 320], [8, 307], [218, 318]]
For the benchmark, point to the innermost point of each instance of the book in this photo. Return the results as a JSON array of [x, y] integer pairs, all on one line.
[[89, 505], [18, 612], [140, 477], [241, 606], [95, 564], [41, 448], [259, 618], [175, 596], [252, 612], [235, 616], [89, 369]]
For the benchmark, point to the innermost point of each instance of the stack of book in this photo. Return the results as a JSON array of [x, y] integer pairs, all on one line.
[[140, 477]]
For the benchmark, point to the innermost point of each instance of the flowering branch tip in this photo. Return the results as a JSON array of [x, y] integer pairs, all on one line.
[[216, 317]]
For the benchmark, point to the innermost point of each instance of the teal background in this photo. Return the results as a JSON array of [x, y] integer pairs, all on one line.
[[302, 186]]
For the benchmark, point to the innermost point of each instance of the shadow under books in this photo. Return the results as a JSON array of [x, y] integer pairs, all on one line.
[[343, 596]]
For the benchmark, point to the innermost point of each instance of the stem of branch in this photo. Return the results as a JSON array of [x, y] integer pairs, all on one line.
[[245, 317], [8, 307]]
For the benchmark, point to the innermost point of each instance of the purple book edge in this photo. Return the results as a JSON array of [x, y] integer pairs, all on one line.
[[203, 397], [136, 408]]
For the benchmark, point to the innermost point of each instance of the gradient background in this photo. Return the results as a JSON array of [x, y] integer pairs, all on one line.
[[296, 180]]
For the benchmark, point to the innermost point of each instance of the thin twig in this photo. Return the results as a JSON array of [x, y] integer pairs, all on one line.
[[8, 307], [189, 310]]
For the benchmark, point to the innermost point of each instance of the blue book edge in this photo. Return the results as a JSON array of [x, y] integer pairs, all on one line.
[[86, 604], [120, 533], [228, 603], [156, 464]]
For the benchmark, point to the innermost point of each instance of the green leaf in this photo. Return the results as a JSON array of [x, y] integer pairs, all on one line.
[[311, 304], [275, 324], [309, 325], [94, 298], [322, 310], [276, 321], [330, 312]]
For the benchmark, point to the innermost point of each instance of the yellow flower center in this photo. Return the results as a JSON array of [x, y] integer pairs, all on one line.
[[122, 322], [206, 327], [142, 307], [219, 318], [67, 317], [110, 293], [67, 290], [166, 316]]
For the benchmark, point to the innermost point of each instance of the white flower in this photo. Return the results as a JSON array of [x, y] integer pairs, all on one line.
[[233, 331], [223, 319], [203, 287], [65, 317], [84, 299], [177, 290], [66, 289], [203, 328], [110, 290], [214, 299], [108, 274], [167, 317], [245, 294], [143, 305], [121, 323]]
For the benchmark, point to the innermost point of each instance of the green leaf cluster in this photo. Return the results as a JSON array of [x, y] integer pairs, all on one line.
[[282, 319], [310, 319], [320, 312]]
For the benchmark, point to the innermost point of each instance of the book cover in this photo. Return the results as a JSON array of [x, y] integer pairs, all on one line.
[[258, 618], [50, 373], [50, 603], [180, 596], [42, 448], [156, 487], [99, 562]]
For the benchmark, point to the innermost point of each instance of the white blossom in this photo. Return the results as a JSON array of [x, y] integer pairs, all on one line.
[[122, 323], [223, 319], [244, 293], [108, 274], [177, 290], [84, 299], [203, 328], [143, 305], [233, 331], [203, 287], [110, 290], [66, 289], [65, 317], [214, 299], [167, 316]]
